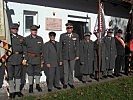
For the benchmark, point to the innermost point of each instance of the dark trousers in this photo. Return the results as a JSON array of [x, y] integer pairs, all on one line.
[[23, 74], [2, 73], [34, 70], [14, 71], [53, 77], [119, 62]]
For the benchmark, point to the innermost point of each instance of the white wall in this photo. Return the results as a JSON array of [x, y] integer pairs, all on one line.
[[44, 12]]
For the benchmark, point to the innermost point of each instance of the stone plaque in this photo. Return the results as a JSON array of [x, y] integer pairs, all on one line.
[[53, 24]]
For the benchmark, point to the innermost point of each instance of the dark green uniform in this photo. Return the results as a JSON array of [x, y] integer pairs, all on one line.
[[51, 56], [34, 47], [110, 53], [86, 58], [14, 63], [69, 47]]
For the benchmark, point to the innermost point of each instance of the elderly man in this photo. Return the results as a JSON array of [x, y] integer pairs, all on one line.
[[51, 52], [86, 57], [120, 59], [14, 62], [34, 48], [69, 52], [110, 53]]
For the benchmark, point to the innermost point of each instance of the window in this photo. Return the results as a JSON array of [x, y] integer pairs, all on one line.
[[30, 18]]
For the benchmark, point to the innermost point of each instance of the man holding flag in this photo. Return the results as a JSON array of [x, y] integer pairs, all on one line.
[[14, 62]]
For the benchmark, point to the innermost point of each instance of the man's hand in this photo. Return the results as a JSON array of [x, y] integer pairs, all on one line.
[[76, 58], [24, 62], [48, 65], [60, 63]]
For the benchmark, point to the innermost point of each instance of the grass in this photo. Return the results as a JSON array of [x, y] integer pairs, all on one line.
[[121, 89]]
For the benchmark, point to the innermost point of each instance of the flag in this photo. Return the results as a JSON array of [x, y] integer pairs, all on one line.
[[102, 22], [5, 44]]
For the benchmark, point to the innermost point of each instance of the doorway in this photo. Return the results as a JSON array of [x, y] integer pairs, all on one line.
[[79, 28]]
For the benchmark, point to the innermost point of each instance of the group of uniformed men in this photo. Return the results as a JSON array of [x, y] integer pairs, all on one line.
[[32, 52]]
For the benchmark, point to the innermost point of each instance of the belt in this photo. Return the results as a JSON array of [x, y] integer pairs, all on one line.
[[33, 54], [17, 52]]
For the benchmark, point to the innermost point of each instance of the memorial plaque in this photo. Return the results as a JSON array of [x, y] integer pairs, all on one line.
[[54, 24]]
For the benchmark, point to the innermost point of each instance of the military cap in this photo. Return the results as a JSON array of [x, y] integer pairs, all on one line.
[[52, 34], [87, 34], [110, 30], [69, 25], [34, 27], [119, 31], [14, 26]]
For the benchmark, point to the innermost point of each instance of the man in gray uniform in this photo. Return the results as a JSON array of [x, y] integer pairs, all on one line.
[[69, 52], [110, 52], [14, 62], [86, 57], [51, 57], [34, 47]]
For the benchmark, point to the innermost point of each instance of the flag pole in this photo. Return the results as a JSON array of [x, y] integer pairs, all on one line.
[[99, 48]]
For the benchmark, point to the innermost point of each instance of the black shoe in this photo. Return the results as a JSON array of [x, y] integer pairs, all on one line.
[[59, 88], [31, 89], [71, 86], [84, 82], [19, 94], [38, 88], [89, 81], [105, 76], [111, 76], [12, 95], [64, 86], [49, 90], [21, 87]]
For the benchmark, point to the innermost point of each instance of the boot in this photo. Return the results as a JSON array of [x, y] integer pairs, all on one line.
[[31, 89], [38, 88], [21, 87], [19, 94], [12, 95]]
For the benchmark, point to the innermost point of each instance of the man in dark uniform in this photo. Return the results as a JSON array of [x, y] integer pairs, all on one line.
[[51, 52], [69, 52], [14, 62], [86, 57], [120, 59], [110, 53], [34, 48]]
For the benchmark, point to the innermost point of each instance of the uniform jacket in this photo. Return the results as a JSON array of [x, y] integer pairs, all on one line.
[[110, 52], [69, 46], [17, 46], [51, 53], [102, 56], [86, 56], [35, 46], [120, 48]]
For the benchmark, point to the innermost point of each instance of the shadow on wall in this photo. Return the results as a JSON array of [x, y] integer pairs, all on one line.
[[118, 23]]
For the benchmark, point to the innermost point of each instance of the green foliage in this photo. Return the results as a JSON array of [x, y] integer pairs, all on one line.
[[121, 89]]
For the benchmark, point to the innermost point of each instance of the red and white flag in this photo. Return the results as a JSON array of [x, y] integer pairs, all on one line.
[[102, 22], [5, 43]]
